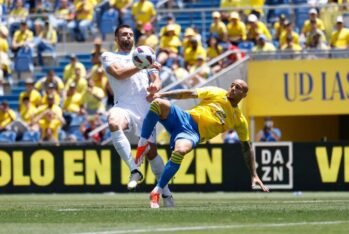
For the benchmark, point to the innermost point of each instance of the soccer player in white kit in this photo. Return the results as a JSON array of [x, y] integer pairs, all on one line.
[[131, 86]]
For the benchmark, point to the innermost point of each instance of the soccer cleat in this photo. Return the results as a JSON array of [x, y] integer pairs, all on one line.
[[141, 152], [154, 200], [136, 177], [168, 201]]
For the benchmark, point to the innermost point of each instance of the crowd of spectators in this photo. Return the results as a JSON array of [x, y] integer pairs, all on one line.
[[51, 108]]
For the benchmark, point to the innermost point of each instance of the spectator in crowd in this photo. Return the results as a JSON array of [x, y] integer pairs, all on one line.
[[50, 124], [78, 28], [97, 50], [51, 91], [231, 137], [72, 101], [7, 116], [170, 19], [226, 4], [179, 71], [51, 106], [279, 26], [33, 94], [188, 35], [218, 27], [143, 12], [314, 30], [313, 19], [317, 42], [202, 75], [69, 69], [22, 38], [42, 84], [93, 99], [123, 9], [290, 45], [45, 41], [17, 15], [149, 38], [5, 61], [192, 52], [269, 132], [79, 80], [214, 50], [262, 45], [340, 37], [99, 77], [28, 112], [169, 46], [236, 29], [288, 32], [91, 124], [255, 28], [61, 17]]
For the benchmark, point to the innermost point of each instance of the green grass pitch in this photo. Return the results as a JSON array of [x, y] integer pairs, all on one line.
[[195, 213]]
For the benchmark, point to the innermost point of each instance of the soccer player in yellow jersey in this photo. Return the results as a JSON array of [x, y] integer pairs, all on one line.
[[216, 113]]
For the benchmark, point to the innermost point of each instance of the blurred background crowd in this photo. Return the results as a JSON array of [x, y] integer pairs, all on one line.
[[68, 100]]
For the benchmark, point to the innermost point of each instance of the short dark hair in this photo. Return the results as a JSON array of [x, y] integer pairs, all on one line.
[[120, 27]]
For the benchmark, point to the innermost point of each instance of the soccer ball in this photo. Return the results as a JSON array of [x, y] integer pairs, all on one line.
[[143, 57]]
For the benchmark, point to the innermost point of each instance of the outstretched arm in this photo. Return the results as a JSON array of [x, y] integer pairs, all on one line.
[[176, 94], [121, 73], [250, 162]]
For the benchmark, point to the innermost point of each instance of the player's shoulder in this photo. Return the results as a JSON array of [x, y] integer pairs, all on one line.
[[212, 89], [107, 54]]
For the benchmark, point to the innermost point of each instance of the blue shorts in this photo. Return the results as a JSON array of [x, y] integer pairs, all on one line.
[[181, 125]]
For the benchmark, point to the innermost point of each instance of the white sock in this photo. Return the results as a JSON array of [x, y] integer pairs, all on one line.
[[123, 147], [157, 189], [157, 166], [142, 141]]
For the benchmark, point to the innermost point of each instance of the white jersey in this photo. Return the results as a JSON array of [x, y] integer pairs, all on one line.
[[130, 90]]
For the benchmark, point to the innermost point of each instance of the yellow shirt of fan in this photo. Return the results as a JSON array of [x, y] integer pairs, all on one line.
[[171, 43], [220, 29], [19, 12], [27, 114], [84, 10], [143, 12], [72, 103], [21, 37], [214, 52], [307, 26], [340, 39], [3, 45], [81, 85], [215, 115], [151, 41], [53, 124], [57, 99], [283, 38], [236, 31], [7, 118], [54, 108], [69, 71], [119, 4], [34, 98], [190, 55], [230, 3]]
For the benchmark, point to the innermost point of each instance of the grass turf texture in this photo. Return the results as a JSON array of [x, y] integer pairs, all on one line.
[[195, 213]]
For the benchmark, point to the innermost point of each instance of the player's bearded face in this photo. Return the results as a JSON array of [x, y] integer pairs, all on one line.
[[126, 39]]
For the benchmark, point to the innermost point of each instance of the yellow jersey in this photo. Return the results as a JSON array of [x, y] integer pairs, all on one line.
[[215, 115], [21, 37], [143, 12], [6, 118], [54, 125], [340, 39], [34, 98], [3, 45], [72, 103], [28, 113], [119, 4], [69, 71]]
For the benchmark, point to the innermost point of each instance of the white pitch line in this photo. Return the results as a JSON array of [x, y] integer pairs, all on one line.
[[68, 209], [198, 228]]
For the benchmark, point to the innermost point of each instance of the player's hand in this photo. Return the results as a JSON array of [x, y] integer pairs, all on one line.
[[256, 181], [152, 96], [153, 88], [156, 65]]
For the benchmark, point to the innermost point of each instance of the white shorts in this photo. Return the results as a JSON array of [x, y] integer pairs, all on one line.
[[134, 114]]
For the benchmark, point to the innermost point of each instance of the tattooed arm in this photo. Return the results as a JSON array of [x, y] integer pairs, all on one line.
[[176, 94]]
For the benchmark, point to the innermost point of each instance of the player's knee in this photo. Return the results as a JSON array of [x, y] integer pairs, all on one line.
[[177, 157], [114, 124], [160, 106]]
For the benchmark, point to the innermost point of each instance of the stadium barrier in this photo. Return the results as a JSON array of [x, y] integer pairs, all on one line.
[[317, 166]]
